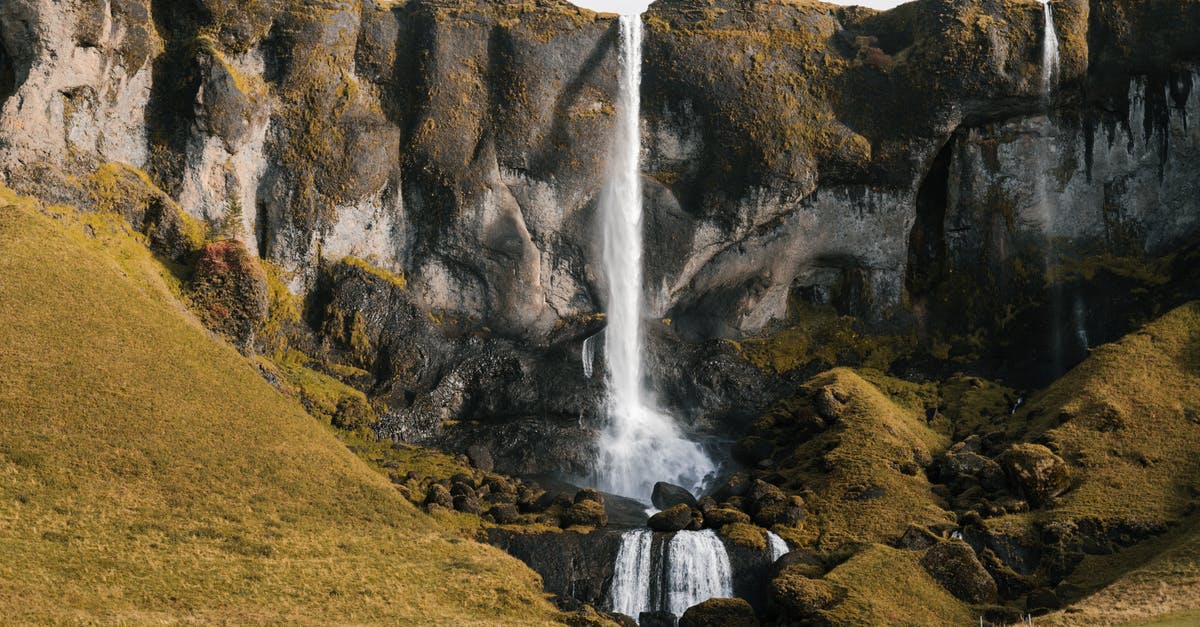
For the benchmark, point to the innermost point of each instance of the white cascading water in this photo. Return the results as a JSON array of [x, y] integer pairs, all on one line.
[[697, 570], [778, 547], [640, 445], [588, 356], [690, 568], [1050, 70], [629, 593], [1050, 59]]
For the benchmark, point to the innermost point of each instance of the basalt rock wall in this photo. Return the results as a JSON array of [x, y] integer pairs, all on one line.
[[906, 167]]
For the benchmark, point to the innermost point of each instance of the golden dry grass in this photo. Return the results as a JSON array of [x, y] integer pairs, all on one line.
[[148, 474], [1163, 590]]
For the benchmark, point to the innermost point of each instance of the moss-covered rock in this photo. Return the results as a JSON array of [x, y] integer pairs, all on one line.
[[230, 290], [724, 612], [1036, 472], [954, 565]]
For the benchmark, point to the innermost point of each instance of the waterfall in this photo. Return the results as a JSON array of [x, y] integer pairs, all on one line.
[[778, 547], [640, 445], [588, 356], [1050, 59], [697, 570], [630, 590], [691, 567]]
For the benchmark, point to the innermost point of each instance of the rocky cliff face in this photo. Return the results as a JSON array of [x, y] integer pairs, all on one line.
[[905, 167]]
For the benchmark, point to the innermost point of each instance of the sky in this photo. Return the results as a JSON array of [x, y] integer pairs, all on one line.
[[637, 6]]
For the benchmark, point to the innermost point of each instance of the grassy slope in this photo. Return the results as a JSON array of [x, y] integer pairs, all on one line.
[[147, 472], [877, 433], [1129, 423], [1129, 428], [1163, 590]]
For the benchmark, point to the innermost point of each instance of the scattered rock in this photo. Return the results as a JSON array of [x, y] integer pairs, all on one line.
[[1042, 600], [666, 496], [586, 513], [480, 458], [763, 495], [800, 599], [439, 495], [468, 504], [589, 494], [917, 538], [675, 518], [789, 512], [657, 619], [752, 450], [1035, 472], [828, 405], [720, 516], [505, 514], [723, 612], [735, 486], [954, 565]]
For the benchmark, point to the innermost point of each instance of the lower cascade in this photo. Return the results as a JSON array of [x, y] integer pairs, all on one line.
[[659, 574]]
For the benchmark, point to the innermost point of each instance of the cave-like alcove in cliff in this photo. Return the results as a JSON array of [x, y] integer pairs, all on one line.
[[927, 241], [8, 78]]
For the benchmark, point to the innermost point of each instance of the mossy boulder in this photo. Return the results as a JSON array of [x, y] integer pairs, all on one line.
[[1035, 472], [675, 518], [800, 599], [954, 565], [744, 534], [230, 291], [585, 513], [723, 612], [718, 517]]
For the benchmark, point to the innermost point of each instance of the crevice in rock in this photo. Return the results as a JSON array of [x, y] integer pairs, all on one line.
[[927, 240], [8, 78]]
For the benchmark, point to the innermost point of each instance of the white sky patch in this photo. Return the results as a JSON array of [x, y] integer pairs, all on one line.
[[637, 6]]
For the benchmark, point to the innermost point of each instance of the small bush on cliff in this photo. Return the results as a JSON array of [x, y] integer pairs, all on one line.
[[230, 291]]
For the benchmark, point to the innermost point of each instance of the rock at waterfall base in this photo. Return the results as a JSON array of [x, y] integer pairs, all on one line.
[[673, 519], [667, 495], [723, 612]]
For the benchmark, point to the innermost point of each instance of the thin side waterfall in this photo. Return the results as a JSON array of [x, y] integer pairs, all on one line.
[[640, 445], [1050, 60], [778, 547], [1050, 69], [588, 356], [689, 568]]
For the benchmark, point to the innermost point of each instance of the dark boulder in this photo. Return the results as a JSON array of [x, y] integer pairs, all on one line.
[[468, 504], [753, 449], [772, 512], [439, 495], [589, 494], [763, 495], [735, 485], [953, 564], [505, 514], [480, 457], [723, 612], [657, 619], [666, 496]]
